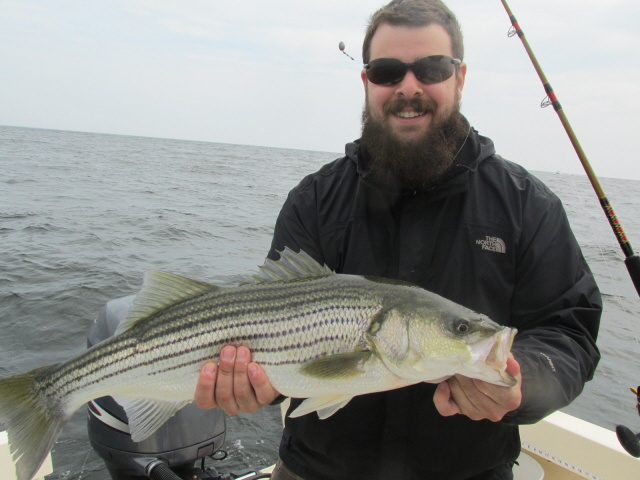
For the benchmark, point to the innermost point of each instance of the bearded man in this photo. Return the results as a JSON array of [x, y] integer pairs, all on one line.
[[423, 197]]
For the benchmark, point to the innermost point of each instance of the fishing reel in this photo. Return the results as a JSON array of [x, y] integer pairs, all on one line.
[[629, 440]]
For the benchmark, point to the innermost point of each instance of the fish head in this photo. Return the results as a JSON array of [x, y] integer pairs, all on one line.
[[429, 344], [489, 353]]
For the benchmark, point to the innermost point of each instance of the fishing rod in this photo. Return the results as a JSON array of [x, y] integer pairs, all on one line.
[[632, 261]]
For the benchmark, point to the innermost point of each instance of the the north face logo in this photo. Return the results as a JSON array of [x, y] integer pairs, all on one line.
[[493, 244]]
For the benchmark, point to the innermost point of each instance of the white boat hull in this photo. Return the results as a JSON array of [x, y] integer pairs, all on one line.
[[8, 469]]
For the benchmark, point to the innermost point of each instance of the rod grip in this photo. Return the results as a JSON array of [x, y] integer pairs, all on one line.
[[633, 265]]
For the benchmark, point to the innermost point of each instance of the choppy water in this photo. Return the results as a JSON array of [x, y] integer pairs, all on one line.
[[83, 216]]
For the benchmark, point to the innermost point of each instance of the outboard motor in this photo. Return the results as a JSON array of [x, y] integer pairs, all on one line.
[[170, 453]]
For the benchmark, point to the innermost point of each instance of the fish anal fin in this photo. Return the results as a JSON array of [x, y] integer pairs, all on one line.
[[337, 366], [325, 405], [146, 415]]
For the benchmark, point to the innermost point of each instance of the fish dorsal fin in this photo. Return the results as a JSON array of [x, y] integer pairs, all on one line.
[[146, 415], [290, 266], [159, 290]]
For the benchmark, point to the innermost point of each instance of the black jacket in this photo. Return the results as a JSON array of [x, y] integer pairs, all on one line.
[[491, 237]]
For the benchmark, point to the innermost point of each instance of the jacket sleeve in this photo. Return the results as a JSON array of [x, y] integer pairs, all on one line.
[[556, 307]]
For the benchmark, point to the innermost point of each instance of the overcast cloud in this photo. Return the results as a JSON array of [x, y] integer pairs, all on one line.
[[269, 73]]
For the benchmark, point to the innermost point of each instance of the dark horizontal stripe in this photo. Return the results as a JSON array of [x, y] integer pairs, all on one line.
[[285, 348], [271, 323], [225, 305]]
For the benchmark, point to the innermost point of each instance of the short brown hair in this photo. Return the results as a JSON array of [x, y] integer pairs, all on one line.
[[415, 13]]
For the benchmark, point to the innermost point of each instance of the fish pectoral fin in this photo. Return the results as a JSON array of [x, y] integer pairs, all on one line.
[[338, 366], [326, 405], [146, 415]]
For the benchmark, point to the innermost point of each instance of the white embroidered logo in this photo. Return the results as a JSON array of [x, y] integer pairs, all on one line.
[[493, 244]]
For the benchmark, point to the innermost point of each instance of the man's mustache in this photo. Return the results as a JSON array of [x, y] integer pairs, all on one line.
[[419, 105]]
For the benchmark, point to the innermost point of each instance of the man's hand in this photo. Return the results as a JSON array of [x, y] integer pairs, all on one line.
[[479, 400], [235, 385]]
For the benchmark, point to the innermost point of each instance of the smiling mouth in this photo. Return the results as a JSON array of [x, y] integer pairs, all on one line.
[[410, 108], [409, 114]]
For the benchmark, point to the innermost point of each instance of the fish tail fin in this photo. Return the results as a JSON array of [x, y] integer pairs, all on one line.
[[31, 426]]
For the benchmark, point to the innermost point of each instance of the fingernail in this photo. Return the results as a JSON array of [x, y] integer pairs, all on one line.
[[241, 354], [253, 370], [227, 353], [209, 368]]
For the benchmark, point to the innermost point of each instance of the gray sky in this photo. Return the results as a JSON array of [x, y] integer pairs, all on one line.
[[269, 73]]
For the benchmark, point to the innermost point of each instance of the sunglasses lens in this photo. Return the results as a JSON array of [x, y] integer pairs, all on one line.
[[386, 71], [433, 69], [429, 70]]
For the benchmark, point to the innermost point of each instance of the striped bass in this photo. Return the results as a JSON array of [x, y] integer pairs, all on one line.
[[318, 335]]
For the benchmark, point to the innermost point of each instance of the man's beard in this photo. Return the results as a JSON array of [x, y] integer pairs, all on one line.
[[412, 164]]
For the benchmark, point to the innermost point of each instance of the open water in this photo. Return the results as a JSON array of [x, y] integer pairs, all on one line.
[[83, 216]]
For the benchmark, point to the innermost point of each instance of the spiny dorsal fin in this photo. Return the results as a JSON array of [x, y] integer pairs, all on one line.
[[290, 266], [159, 290]]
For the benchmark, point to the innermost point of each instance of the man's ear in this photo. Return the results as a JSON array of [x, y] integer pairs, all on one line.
[[462, 73]]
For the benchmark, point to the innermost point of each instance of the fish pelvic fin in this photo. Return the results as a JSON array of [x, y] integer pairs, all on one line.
[[325, 405], [159, 290], [32, 426], [290, 266]]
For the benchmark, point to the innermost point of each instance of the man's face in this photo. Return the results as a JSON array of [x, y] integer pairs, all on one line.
[[437, 101]]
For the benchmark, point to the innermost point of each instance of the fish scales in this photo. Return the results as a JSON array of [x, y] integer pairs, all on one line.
[[301, 320]]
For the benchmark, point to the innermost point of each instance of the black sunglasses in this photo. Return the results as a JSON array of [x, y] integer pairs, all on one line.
[[429, 70]]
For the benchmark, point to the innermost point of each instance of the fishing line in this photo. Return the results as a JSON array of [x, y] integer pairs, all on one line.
[[632, 261]]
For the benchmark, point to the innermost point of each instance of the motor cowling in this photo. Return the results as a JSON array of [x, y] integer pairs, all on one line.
[[192, 433]]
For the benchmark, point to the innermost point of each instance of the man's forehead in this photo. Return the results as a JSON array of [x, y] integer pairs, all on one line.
[[398, 41]]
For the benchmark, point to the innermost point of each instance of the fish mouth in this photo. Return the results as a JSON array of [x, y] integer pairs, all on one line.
[[497, 357]]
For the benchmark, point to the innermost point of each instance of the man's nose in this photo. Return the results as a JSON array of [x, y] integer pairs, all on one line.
[[410, 86]]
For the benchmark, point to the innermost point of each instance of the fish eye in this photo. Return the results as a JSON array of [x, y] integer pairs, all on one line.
[[462, 326]]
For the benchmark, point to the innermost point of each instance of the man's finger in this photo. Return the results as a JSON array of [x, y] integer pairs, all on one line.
[[265, 393], [243, 392], [513, 367], [443, 401], [204, 395], [224, 394]]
